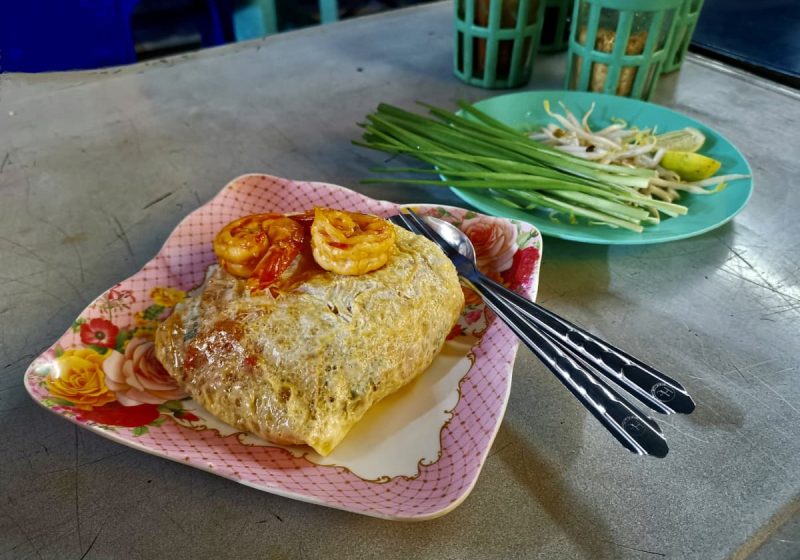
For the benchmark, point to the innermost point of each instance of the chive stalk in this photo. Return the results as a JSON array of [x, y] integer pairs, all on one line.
[[477, 152]]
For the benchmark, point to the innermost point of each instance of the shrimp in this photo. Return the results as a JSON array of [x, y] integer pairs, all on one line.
[[260, 247], [350, 243]]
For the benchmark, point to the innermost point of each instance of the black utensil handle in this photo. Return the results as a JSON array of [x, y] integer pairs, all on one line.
[[631, 428], [656, 389]]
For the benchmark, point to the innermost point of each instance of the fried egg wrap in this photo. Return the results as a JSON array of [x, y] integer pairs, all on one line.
[[304, 365]]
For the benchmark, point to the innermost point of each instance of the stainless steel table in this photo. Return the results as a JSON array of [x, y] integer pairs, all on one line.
[[98, 167]]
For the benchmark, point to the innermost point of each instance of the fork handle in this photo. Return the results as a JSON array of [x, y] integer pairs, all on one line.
[[631, 428], [658, 391]]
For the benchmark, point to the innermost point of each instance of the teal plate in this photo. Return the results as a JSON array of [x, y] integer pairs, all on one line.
[[525, 111]]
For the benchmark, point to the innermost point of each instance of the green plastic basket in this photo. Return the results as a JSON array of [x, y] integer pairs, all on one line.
[[495, 41], [619, 46], [555, 26], [682, 32]]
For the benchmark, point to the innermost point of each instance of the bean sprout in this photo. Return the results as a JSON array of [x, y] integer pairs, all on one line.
[[620, 144]]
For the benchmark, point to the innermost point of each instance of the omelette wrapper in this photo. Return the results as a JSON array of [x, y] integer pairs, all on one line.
[[304, 366]]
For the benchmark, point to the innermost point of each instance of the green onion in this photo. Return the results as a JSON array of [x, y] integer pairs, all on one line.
[[478, 152]]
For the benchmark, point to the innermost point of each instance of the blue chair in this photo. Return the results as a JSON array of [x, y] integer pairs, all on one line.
[[79, 34]]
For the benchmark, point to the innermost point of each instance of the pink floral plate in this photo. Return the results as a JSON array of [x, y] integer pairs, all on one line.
[[415, 455]]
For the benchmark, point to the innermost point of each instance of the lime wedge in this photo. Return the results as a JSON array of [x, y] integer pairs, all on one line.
[[690, 166], [685, 140]]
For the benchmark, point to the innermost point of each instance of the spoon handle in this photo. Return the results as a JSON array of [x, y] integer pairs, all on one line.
[[658, 391], [631, 428]]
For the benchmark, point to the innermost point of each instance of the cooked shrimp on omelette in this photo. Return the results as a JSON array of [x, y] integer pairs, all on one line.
[[350, 243], [308, 321], [262, 246], [259, 246]]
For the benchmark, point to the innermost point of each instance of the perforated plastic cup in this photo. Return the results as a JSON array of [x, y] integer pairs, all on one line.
[[495, 41], [682, 31], [619, 46]]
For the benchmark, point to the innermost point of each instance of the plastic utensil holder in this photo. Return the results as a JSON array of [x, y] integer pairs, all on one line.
[[619, 46], [495, 41], [681, 36]]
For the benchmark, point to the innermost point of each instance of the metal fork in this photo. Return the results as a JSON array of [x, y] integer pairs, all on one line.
[[658, 391], [552, 342]]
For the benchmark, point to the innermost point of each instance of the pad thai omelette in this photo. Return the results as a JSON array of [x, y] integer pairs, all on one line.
[[309, 320]]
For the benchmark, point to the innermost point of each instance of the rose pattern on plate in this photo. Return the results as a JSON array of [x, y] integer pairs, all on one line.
[[495, 242], [114, 379], [137, 377], [503, 252], [78, 378]]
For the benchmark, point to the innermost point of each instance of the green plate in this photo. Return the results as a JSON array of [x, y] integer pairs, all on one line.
[[525, 110]]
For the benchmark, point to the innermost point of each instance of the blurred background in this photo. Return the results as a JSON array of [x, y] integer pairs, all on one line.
[[45, 35], [48, 35]]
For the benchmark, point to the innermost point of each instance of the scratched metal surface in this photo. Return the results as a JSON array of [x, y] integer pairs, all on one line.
[[98, 167]]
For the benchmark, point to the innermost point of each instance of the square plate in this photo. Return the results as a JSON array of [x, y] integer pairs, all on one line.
[[415, 455]]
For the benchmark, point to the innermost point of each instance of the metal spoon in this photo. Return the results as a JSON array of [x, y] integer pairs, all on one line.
[[656, 390], [629, 426]]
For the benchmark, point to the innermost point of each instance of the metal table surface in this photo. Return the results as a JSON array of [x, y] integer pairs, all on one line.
[[98, 167]]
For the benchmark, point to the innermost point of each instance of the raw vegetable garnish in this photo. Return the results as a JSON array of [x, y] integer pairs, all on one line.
[[613, 177]]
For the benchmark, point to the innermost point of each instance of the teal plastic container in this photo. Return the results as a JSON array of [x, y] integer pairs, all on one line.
[[619, 46], [682, 32], [495, 41]]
